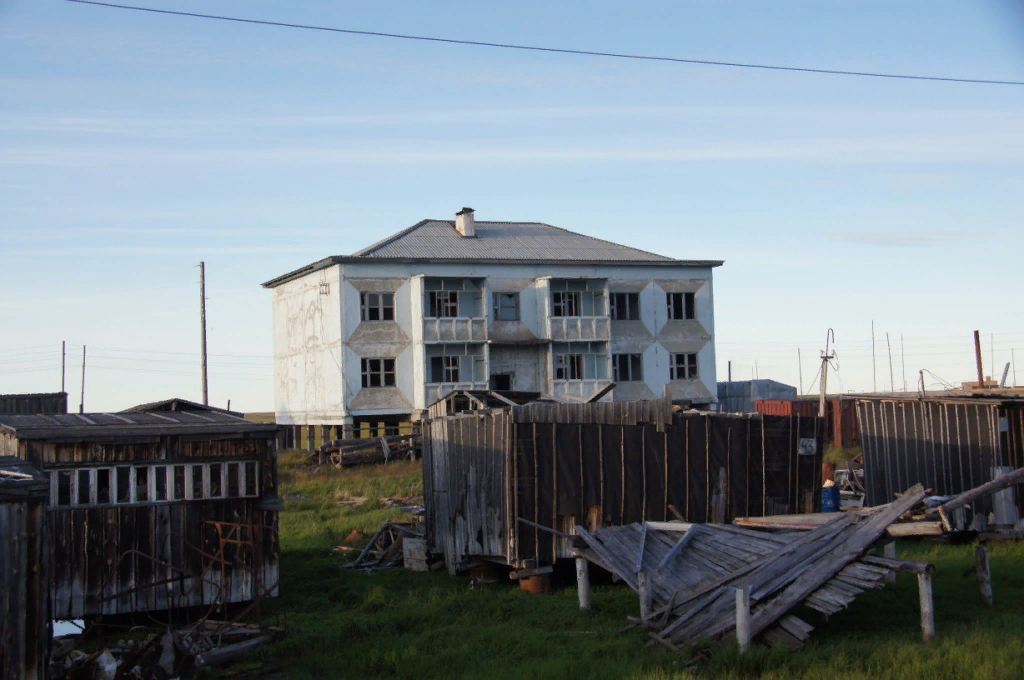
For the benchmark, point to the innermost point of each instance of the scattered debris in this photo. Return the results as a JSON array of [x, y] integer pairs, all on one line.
[[384, 550], [355, 537], [350, 452], [159, 655], [688, 575]]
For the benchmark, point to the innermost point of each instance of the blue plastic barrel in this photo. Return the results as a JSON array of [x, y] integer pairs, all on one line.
[[830, 499]]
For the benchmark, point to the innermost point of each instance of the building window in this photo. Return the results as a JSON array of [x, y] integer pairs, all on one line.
[[378, 372], [377, 306], [625, 306], [149, 484], [443, 303], [683, 366], [680, 305], [506, 306], [566, 304], [445, 369], [580, 361], [568, 367], [627, 368]]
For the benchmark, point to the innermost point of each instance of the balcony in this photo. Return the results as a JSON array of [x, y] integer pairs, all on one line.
[[435, 391], [577, 389], [455, 329], [578, 328]]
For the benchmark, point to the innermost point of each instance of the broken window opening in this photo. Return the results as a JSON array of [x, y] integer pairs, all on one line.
[[624, 306], [506, 306], [443, 304], [445, 369], [378, 372], [683, 366], [681, 305], [627, 367], [376, 307]]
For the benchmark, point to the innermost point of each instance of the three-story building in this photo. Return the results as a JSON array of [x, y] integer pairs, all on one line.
[[459, 304]]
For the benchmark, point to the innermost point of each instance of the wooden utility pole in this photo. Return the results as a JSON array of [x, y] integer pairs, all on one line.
[[800, 371], [81, 404], [903, 363], [730, 371], [825, 357], [63, 362], [977, 356], [202, 323], [874, 375], [892, 381]]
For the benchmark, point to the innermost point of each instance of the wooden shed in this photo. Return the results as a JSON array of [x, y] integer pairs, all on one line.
[[493, 476], [49, 402], [24, 596], [153, 511]]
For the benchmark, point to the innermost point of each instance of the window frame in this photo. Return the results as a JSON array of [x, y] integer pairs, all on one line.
[[683, 366], [450, 367], [498, 304], [566, 303], [367, 372], [440, 304], [567, 364], [380, 306], [628, 302], [687, 305], [630, 364]]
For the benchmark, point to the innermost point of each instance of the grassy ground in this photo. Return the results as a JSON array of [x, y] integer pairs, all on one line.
[[399, 624]]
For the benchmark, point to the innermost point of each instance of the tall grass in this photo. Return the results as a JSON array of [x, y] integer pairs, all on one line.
[[399, 624]]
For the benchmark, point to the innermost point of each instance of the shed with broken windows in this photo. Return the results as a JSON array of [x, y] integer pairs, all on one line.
[[153, 511]]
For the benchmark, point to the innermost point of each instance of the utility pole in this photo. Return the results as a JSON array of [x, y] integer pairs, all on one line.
[[730, 371], [757, 373], [1013, 361], [825, 357], [800, 371], [874, 378], [892, 385], [903, 363], [202, 323], [81, 404], [977, 357], [1006, 372], [63, 362], [992, 352], [922, 383]]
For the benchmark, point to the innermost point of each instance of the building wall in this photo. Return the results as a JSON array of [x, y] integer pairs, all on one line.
[[319, 340]]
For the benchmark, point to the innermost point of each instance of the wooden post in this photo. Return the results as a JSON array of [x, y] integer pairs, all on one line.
[[889, 552], [924, 587], [743, 618], [202, 323], [645, 594], [81, 403], [583, 582], [984, 575]]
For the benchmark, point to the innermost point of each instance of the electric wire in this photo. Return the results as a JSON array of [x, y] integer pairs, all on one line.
[[557, 50]]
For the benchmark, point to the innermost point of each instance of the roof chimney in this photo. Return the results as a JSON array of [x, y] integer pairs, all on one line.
[[464, 223]]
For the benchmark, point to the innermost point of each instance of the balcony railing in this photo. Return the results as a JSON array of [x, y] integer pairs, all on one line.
[[435, 391], [564, 328], [580, 389], [455, 329]]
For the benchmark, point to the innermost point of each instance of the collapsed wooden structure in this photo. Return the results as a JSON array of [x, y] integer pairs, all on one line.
[[699, 581], [352, 452], [495, 478], [949, 444], [153, 511], [24, 592]]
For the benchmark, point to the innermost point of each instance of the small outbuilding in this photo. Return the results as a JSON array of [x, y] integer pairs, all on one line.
[[153, 511], [25, 631], [42, 402]]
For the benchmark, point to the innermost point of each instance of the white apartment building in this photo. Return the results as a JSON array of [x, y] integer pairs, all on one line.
[[460, 304]]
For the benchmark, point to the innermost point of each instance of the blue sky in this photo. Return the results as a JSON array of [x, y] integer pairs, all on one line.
[[132, 146]]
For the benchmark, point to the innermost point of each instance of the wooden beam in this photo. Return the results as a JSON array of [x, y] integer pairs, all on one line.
[[986, 489], [984, 574], [583, 582], [924, 587], [743, 618]]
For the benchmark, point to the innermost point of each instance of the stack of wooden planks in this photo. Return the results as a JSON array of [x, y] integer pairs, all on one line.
[[350, 452], [688, 575]]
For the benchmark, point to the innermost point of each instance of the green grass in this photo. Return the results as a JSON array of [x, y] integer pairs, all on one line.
[[399, 624]]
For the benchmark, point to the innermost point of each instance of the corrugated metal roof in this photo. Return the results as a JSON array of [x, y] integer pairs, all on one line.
[[70, 426], [438, 239]]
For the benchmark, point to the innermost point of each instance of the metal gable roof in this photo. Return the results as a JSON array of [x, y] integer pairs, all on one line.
[[73, 426], [437, 239]]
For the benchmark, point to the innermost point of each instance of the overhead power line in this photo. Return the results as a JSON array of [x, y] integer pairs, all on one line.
[[558, 50]]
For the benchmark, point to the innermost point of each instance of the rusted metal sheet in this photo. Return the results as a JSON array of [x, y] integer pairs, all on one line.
[[840, 416], [496, 478], [26, 633]]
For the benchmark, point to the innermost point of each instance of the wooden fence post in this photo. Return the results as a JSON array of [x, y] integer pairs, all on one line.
[[889, 552], [645, 594], [924, 587], [984, 574], [583, 582], [743, 618]]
